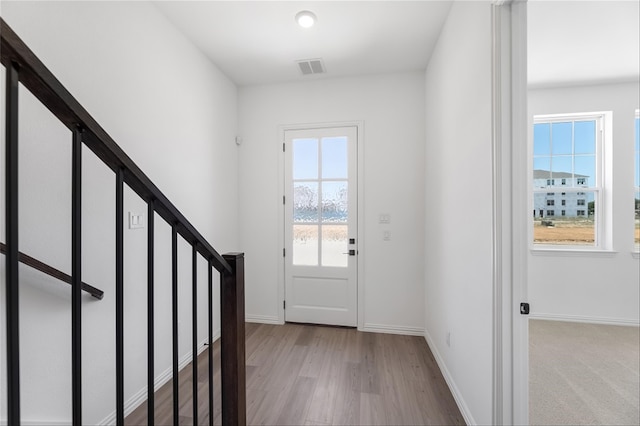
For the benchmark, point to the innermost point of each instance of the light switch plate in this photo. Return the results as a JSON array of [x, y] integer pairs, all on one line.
[[136, 221]]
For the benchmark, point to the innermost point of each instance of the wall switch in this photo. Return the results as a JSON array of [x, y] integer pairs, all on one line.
[[448, 338], [136, 220], [386, 235], [384, 218]]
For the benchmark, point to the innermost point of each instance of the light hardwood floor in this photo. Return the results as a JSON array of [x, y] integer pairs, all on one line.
[[313, 375]]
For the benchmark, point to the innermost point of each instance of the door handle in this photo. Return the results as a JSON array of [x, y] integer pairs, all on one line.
[[351, 252]]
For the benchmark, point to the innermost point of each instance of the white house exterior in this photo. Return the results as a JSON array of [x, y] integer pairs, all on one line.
[[564, 201]]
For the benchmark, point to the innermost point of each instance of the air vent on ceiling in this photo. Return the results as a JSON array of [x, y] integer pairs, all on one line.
[[311, 66]]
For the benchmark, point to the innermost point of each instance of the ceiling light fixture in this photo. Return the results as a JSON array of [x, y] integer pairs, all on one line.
[[306, 19]]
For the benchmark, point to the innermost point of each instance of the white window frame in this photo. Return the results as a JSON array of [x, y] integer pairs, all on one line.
[[600, 187]]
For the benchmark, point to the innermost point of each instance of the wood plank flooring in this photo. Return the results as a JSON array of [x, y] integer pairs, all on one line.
[[313, 375]]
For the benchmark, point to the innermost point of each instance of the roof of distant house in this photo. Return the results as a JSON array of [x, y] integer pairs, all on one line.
[[546, 174]]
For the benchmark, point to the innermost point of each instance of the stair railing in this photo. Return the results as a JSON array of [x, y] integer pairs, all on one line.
[[22, 66]]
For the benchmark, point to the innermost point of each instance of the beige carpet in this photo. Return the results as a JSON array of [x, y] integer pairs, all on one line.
[[583, 374]]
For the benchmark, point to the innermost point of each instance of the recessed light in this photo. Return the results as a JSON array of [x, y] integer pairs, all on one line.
[[306, 19]]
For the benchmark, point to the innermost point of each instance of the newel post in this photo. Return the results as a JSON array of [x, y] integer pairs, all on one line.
[[232, 354]]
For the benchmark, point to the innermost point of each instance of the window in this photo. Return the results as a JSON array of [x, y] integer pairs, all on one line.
[[551, 194], [567, 148], [550, 213], [637, 182]]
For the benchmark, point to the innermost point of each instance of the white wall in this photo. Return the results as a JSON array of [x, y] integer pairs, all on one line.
[[175, 114], [458, 259], [392, 109], [593, 287]]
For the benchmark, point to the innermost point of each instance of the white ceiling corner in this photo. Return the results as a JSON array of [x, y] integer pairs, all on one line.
[[259, 42]]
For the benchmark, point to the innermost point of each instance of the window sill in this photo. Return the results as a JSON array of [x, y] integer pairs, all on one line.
[[572, 252]]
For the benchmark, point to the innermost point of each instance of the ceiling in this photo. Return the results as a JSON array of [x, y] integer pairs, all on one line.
[[579, 42], [258, 42]]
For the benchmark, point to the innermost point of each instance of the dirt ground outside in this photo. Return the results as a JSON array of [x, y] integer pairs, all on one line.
[[563, 232], [329, 232], [571, 232]]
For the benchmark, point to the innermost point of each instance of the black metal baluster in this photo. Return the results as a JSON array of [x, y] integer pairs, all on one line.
[[76, 277], [194, 329], [11, 258], [174, 316], [210, 349], [120, 297], [150, 315]]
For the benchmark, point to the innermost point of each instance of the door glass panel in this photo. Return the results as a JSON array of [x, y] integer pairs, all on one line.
[[320, 201], [305, 158], [334, 202], [335, 245], [305, 202], [305, 245], [334, 158]]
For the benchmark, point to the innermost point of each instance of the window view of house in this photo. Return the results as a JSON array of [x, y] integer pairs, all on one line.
[[566, 153]]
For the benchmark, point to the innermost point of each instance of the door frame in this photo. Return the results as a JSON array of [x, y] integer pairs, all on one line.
[[511, 170], [521, 170], [359, 125]]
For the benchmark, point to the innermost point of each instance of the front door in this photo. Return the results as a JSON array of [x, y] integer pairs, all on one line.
[[321, 226]]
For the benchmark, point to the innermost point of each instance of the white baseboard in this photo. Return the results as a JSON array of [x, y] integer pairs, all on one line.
[[464, 409], [586, 319], [392, 329], [263, 319], [139, 397]]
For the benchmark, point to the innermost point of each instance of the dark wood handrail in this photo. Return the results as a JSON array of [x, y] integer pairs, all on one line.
[[53, 272], [36, 77]]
